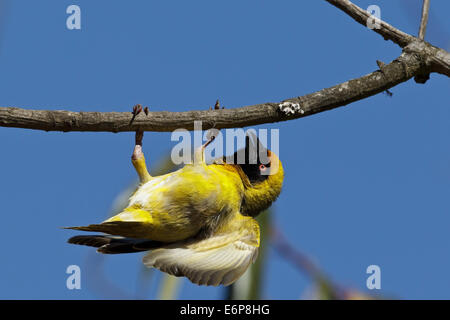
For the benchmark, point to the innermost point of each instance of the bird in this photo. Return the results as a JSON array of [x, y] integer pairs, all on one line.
[[197, 222]]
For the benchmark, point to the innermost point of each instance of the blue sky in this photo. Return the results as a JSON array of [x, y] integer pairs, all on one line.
[[365, 184]]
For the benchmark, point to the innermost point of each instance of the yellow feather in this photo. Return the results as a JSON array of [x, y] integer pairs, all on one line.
[[197, 222], [177, 205]]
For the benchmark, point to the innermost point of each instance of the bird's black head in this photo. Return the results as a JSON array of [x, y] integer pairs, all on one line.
[[262, 175], [254, 159]]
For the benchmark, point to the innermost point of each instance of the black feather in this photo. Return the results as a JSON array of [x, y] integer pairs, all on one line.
[[113, 245], [251, 157]]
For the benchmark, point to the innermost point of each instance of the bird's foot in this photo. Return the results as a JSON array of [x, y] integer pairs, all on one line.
[[136, 110], [138, 159], [199, 154]]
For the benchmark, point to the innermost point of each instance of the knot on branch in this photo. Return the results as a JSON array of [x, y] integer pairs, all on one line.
[[417, 54], [423, 52]]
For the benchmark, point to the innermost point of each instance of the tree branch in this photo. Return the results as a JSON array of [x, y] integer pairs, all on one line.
[[399, 70], [387, 31], [438, 60], [417, 60], [424, 20]]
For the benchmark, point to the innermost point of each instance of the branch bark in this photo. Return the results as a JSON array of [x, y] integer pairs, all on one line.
[[399, 70], [387, 31], [417, 60], [435, 59], [424, 20]]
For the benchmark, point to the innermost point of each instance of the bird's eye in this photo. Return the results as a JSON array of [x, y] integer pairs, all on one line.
[[262, 167]]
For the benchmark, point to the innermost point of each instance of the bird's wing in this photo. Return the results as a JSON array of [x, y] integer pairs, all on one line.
[[218, 259]]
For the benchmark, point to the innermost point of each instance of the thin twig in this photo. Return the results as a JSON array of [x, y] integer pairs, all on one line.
[[305, 265], [424, 20], [385, 29], [436, 59], [298, 258]]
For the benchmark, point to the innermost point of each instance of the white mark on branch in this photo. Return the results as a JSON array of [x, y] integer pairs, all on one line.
[[290, 108], [343, 86]]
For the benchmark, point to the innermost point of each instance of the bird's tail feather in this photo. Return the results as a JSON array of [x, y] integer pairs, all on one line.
[[113, 245], [130, 229]]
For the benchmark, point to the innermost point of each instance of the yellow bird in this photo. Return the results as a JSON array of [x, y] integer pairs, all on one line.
[[197, 222]]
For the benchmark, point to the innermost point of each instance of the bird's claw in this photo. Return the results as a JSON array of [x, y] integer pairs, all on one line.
[[136, 110]]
